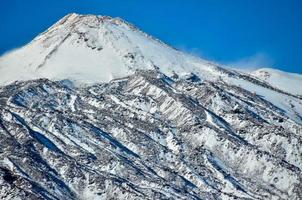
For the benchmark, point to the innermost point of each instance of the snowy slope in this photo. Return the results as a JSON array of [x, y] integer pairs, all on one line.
[[91, 49], [290, 82]]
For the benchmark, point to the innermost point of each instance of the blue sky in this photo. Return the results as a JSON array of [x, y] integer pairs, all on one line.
[[246, 33]]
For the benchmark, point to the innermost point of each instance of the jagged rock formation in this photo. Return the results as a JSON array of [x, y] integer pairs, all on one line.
[[201, 132], [146, 136]]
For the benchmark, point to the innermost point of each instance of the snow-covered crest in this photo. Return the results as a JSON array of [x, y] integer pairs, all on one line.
[[90, 49]]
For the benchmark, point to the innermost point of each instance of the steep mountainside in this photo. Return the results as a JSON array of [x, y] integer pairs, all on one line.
[[146, 136], [93, 108]]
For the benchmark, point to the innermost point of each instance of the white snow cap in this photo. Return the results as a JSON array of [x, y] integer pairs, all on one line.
[[90, 49]]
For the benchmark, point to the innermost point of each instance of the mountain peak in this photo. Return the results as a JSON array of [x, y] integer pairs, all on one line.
[[74, 19], [90, 49]]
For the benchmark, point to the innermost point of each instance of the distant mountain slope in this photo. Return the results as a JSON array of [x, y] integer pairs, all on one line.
[[285, 81]]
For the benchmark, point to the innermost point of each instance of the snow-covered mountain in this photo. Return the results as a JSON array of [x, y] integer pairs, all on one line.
[[94, 108]]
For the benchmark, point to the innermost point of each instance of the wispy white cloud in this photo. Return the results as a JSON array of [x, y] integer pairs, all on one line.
[[256, 61], [249, 63], [193, 51]]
